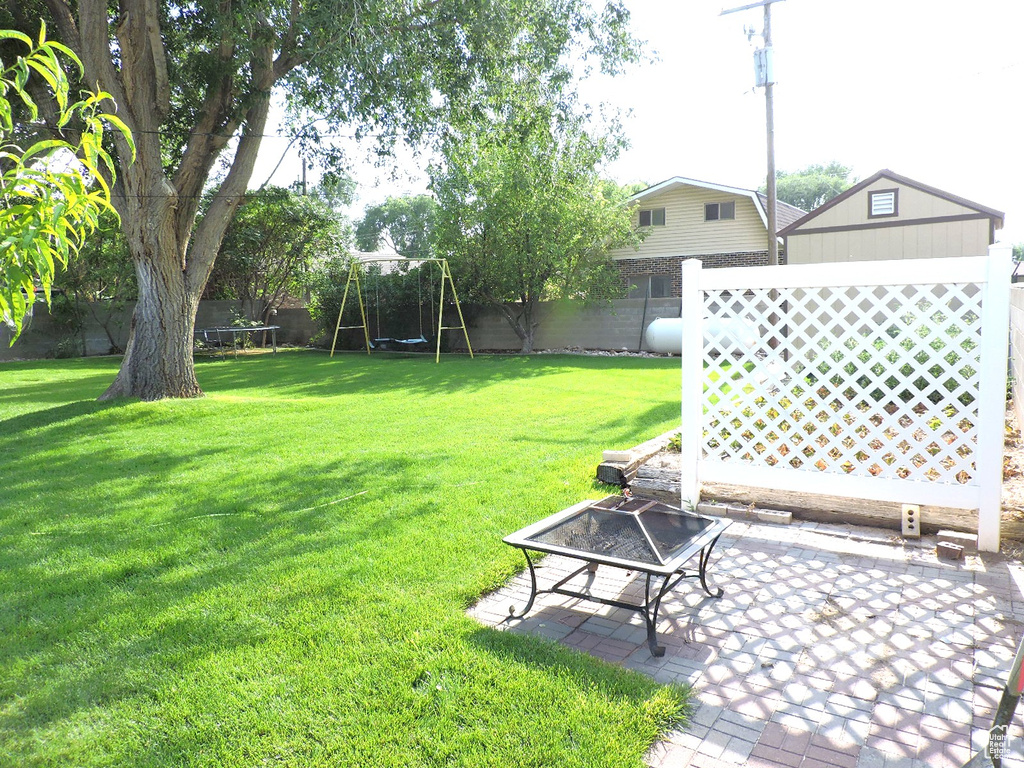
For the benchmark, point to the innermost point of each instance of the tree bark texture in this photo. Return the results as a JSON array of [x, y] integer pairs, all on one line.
[[158, 358]]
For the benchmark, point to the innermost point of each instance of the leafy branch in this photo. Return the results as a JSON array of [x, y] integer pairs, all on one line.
[[53, 191]]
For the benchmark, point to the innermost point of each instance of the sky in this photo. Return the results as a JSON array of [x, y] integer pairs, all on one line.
[[930, 89]]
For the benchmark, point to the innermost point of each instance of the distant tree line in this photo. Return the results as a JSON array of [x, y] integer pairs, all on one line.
[[814, 185]]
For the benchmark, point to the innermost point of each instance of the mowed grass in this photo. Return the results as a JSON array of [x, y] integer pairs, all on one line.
[[277, 574]]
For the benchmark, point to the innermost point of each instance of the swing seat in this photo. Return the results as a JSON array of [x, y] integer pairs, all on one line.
[[389, 343]]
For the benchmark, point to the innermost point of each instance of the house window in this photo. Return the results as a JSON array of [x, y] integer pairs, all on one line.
[[883, 202], [660, 286], [719, 211], [652, 217]]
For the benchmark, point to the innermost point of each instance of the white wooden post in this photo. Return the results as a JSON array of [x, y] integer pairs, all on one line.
[[692, 385], [995, 324]]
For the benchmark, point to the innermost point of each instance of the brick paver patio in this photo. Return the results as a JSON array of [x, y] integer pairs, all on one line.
[[832, 646]]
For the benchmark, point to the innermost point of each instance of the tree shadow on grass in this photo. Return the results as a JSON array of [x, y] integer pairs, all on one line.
[[172, 604], [199, 600], [26, 397], [57, 415], [308, 374]]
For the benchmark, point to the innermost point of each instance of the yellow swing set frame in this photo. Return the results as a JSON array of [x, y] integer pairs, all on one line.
[[353, 279]]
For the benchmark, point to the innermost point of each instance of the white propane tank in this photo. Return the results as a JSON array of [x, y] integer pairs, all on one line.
[[665, 335]]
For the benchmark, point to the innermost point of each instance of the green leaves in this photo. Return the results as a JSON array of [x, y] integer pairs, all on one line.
[[52, 192], [403, 223], [275, 240], [414, 71], [814, 185]]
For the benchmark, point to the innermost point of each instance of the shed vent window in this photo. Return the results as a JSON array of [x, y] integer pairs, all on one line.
[[717, 211], [882, 203], [652, 217]]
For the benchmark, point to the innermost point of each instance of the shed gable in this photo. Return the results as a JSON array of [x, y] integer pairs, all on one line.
[[889, 216], [864, 206], [869, 206]]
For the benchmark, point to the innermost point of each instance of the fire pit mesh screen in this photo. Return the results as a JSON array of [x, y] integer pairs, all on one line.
[[601, 533], [652, 535]]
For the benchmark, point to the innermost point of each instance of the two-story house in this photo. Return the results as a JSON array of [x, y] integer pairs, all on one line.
[[689, 219]]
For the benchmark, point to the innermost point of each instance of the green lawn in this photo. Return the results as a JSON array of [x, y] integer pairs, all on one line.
[[277, 574]]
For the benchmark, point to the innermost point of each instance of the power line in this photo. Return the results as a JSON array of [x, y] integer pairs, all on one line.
[[27, 123]]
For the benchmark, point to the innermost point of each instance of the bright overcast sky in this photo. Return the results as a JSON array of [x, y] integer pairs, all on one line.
[[931, 89]]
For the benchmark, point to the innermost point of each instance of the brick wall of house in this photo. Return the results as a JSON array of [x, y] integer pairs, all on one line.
[[670, 265]]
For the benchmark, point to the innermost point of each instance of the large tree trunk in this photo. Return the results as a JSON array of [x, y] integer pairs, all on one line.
[[158, 358]]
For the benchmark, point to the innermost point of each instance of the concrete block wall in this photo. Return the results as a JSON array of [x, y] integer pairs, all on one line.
[[618, 325], [297, 328], [41, 337]]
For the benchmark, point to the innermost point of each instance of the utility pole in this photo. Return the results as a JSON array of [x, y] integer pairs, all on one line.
[[765, 77], [769, 109]]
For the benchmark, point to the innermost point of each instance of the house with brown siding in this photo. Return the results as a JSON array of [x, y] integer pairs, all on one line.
[[888, 216], [688, 219]]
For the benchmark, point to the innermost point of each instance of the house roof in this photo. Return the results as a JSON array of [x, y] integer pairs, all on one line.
[[784, 212], [885, 173]]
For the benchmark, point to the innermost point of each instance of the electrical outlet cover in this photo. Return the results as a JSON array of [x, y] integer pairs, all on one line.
[[911, 520]]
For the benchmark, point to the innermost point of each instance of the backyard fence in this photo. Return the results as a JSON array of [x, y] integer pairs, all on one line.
[[883, 381], [105, 326]]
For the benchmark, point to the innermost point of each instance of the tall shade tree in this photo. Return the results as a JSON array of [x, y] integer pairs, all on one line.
[[52, 192], [193, 81], [524, 216]]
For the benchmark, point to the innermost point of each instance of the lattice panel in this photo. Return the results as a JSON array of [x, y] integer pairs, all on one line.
[[879, 381]]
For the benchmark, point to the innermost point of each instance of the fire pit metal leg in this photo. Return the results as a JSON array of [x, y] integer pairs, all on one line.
[[650, 612], [705, 556], [533, 592]]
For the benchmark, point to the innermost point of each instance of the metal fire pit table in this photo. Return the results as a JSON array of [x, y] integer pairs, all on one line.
[[632, 534]]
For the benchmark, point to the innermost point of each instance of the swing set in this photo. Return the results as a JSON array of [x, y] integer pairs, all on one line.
[[353, 281]]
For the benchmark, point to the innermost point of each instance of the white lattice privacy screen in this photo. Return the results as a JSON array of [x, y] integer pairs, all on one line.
[[866, 380]]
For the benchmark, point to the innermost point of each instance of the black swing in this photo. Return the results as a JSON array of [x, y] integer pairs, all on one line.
[[419, 344]]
